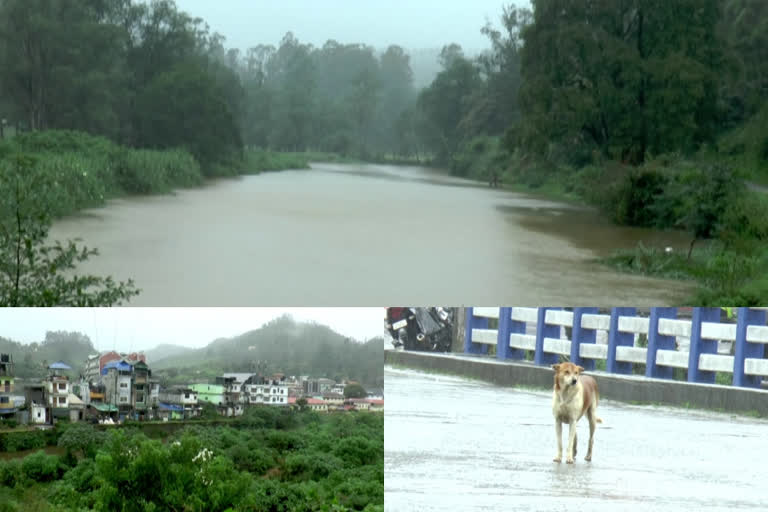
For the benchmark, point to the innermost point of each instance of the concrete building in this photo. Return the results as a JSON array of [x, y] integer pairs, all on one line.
[[117, 379], [318, 386], [57, 390], [266, 391], [140, 386], [317, 405], [76, 408], [211, 393], [96, 363], [34, 395], [7, 405], [183, 397]]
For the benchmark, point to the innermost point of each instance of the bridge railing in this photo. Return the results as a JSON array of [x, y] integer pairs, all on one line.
[[748, 337]]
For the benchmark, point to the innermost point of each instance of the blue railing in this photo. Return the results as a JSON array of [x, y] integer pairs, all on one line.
[[736, 348]]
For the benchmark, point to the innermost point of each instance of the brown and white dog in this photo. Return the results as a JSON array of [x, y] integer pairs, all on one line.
[[574, 395]]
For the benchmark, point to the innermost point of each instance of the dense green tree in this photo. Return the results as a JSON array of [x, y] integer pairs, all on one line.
[[81, 438], [447, 100], [625, 77], [354, 390]]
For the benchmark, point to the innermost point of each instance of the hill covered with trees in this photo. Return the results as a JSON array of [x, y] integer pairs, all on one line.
[[31, 359], [286, 346]]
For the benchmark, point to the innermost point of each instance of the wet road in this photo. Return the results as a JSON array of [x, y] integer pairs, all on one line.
[[364, 235], [457, 444]]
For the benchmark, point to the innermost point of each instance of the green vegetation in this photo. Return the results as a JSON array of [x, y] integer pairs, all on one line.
[[31, 359], [654, 114], [269, 459], [34, 272]]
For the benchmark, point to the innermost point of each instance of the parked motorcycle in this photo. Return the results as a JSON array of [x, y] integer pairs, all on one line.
[[421, 329]]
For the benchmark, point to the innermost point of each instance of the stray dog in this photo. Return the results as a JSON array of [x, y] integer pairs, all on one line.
[[573, 396]]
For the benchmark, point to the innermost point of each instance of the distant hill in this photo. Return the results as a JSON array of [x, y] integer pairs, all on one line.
[[166, 350], [283, 345], [32, 359]]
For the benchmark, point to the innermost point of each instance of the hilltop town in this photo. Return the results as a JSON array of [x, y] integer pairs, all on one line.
[[115, 387]]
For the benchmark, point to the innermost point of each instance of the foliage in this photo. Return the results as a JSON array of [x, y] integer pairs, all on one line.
[[354, 390], [26, 440], [285, 346], [321, 463], [41, 467], [30, 358], [81, 438], [152, 76], [31, 272]]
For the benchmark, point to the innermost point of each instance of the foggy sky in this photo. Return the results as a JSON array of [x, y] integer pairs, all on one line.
[[130, 329], [412, 24]]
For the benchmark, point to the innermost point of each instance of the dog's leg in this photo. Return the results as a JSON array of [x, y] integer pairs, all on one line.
[[571, 442], [592, 417], [559, 433]]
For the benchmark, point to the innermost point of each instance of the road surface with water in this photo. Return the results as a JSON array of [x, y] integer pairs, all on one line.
[[365, 235], [458, 444]]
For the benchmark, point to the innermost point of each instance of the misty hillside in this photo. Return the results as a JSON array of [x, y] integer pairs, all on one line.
[[32, 359], [165, 350], [286, 346]]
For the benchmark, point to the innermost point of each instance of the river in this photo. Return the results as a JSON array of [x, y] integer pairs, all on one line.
[[344, 234]]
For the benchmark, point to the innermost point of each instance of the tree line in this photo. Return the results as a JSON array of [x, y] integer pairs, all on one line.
[[146, 74]]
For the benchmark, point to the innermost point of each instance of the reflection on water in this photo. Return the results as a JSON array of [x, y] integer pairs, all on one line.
[[360, 234]]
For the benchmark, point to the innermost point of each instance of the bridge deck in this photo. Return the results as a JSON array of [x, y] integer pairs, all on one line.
[[457, 444]]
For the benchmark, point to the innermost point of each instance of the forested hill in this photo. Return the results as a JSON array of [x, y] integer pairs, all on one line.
[[286, 346], [31, 359]]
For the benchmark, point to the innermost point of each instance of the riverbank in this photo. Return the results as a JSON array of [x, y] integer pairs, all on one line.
[[82, 171], [629, 389], [725, 217]]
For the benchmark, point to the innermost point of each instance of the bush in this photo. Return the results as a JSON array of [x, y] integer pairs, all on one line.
[[26, 440], [10, 473], [144, 171], [41, 467]]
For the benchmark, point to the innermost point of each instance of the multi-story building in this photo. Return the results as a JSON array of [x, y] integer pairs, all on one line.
[[57, 390], [211, 393], [7, 405], [117, 378], [318, 386], [266, 390], [95, 364], [234, 399], [141, 390], [183, 397]]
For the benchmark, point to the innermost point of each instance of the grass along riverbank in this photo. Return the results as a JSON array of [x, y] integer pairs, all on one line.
[[706, 195], [84, 171]]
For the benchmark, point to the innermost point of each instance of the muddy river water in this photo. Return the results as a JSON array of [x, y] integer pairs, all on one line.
[[347, 234]]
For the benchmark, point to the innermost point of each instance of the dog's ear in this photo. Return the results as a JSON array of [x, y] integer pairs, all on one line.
[[580, 369], [556, 367]]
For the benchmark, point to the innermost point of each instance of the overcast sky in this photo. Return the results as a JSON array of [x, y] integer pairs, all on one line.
[[412, 24], [129, 329]]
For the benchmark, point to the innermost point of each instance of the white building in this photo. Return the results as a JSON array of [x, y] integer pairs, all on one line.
[[266, 391], [57, 391]]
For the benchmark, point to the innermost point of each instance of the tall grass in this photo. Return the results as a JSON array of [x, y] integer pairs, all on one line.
[[260, 160], [83, 171]]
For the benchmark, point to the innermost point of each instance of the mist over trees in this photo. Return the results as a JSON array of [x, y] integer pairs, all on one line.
[[141, 74], [286, 346]]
